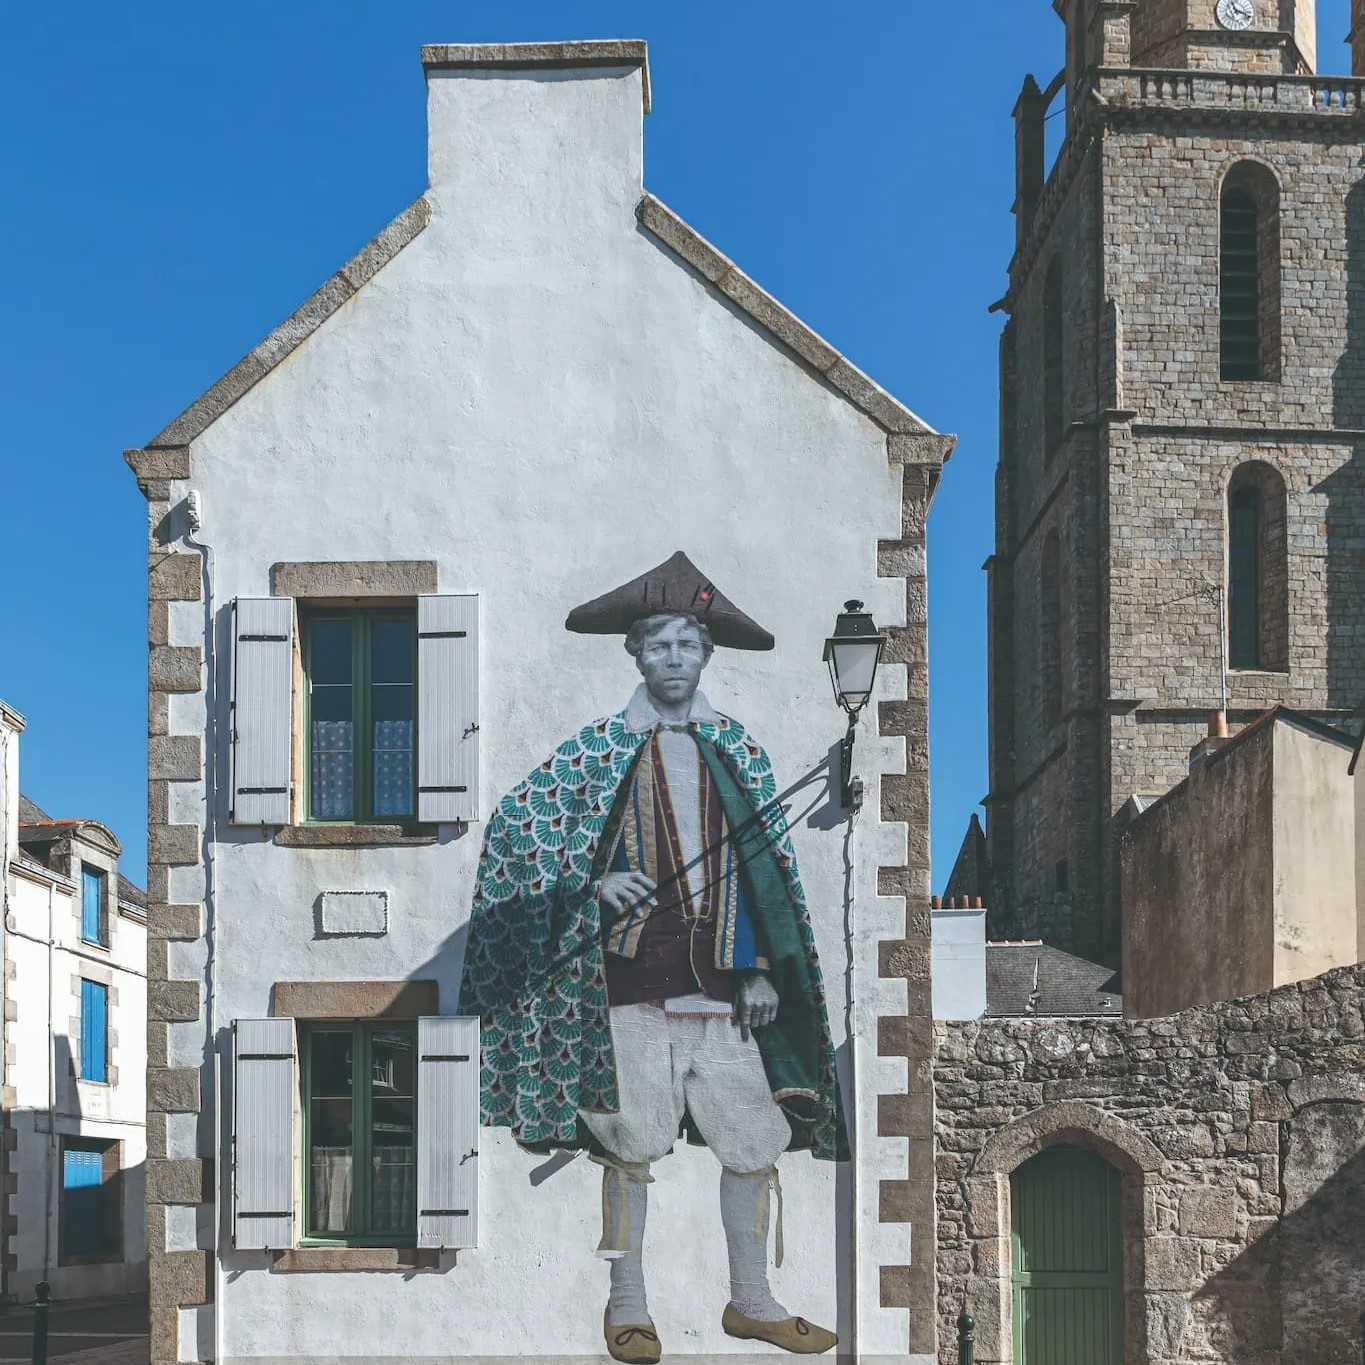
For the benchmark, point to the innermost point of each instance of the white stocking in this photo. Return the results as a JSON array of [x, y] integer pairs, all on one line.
[[625, 1200], [745, 1202]]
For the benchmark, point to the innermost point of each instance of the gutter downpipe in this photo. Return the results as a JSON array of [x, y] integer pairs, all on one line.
[[193, 523]]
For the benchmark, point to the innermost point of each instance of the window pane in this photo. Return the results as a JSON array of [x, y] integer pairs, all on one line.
[[92, 905], [331, 1133], [330, 654], [393, 1185], [332, 730], [391, 650], [391, 710]]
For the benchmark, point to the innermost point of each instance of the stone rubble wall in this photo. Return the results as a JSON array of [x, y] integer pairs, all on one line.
[[1240, 1132]]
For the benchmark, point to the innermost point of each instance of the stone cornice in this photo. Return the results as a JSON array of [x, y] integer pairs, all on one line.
[[784, 326], [532, 56], [151, 462]]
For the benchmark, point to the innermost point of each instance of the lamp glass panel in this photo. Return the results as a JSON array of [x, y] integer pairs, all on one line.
[[855, 666]]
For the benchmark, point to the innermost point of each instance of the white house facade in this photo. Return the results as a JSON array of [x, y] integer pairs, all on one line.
[[75, 1006], [426, 839]]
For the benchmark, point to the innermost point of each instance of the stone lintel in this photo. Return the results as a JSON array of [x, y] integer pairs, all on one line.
[[355, 578], [356, 999]]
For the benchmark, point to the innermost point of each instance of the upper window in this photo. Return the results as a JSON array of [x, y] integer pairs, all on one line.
[[1257, 569], [93, 919], [1054, 401], [1249, 274], [360, 1105], [94, 1031], [361, 670]]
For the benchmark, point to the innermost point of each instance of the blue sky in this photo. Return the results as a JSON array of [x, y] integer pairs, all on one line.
[[180, 176]]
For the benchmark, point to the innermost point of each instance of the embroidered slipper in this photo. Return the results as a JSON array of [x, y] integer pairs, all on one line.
[[791, 1334], [632, 1343]]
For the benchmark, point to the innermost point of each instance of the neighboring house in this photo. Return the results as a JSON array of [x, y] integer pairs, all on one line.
[[1243, 877], [379, 546], [74, 1139]]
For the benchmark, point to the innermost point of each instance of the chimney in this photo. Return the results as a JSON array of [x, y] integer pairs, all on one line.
[[1213, 741], [1356, 38], [553, 131]]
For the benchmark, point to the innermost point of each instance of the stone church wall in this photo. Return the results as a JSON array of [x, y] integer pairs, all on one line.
[[1239, 1130]]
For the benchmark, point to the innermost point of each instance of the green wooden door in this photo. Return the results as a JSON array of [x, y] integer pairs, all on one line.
[[1068, 1261]]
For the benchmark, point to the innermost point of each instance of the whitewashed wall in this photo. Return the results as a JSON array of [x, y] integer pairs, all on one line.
[[537, 396], [47, 958]]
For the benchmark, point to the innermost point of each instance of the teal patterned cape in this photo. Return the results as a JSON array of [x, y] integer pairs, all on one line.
[[534, 970]]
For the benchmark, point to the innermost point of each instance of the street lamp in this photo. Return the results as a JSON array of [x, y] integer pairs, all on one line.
[[852, 653]]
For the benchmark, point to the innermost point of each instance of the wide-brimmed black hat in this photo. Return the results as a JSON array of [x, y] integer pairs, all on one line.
[[676, 585]]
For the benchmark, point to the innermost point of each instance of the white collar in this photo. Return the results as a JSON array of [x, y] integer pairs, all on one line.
[[642, 715]]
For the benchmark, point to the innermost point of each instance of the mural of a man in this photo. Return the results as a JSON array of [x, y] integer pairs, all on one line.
[[641, 957]]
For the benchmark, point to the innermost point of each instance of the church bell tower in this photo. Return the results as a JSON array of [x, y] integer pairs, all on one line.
[[1180, 495]]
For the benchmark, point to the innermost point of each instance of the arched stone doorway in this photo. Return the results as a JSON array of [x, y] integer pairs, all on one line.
[[1066, 1275], [1137, 1162]]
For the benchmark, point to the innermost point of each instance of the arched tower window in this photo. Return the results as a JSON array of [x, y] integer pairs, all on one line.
[[1053, 377], [1050, 630], [1257, 569], [1249, 274]]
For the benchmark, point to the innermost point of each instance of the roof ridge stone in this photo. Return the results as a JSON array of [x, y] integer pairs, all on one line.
[[279, 343], [910, 439]]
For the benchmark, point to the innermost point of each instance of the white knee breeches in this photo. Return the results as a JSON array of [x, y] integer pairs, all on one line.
[[668, 1063]]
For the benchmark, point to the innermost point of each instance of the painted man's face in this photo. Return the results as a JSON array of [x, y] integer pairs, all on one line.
[[672, 660]]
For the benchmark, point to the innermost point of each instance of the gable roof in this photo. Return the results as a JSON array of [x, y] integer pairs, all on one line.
[[910, 440], [1032, 979], [36, 826]]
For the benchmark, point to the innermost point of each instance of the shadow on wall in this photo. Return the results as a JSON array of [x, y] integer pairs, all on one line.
[[1345, 488], [1315, 1254], [77, 1207]]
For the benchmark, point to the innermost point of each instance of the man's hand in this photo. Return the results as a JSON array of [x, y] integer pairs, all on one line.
[[755, 1003], [622, 891]]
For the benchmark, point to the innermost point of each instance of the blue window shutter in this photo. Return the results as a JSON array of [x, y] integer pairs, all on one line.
[[92, 897], [94, 1031]]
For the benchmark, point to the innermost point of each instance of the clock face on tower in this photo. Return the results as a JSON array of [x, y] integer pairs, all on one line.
[[1235, 14]]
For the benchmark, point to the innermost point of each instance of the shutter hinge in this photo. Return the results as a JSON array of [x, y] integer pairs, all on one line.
[[442, 634]]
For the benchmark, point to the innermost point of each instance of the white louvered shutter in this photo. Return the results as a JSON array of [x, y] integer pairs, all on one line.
[[263, 1133], [447, 708], [262, 709], [448, 1132]]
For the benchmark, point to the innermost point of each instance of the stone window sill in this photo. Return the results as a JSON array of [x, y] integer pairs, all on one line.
[[406, 1259], [355, 836]]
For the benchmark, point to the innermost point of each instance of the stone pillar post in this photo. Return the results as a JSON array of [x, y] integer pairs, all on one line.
[[1028, 156]]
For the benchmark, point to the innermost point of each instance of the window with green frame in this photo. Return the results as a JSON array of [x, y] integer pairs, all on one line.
[[360, 1121], [361, 669]]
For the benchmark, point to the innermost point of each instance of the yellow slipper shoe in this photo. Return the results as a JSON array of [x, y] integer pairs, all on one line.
[[791, 1334], [632, 1343]]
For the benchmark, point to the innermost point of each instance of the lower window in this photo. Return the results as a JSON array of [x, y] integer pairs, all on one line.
[[360, 1111], [90, 1214]]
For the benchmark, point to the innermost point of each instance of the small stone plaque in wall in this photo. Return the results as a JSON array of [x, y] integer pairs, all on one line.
[[358, 914]]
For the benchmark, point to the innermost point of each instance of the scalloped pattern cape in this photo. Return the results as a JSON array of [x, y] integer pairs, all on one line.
[[534, 970]]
